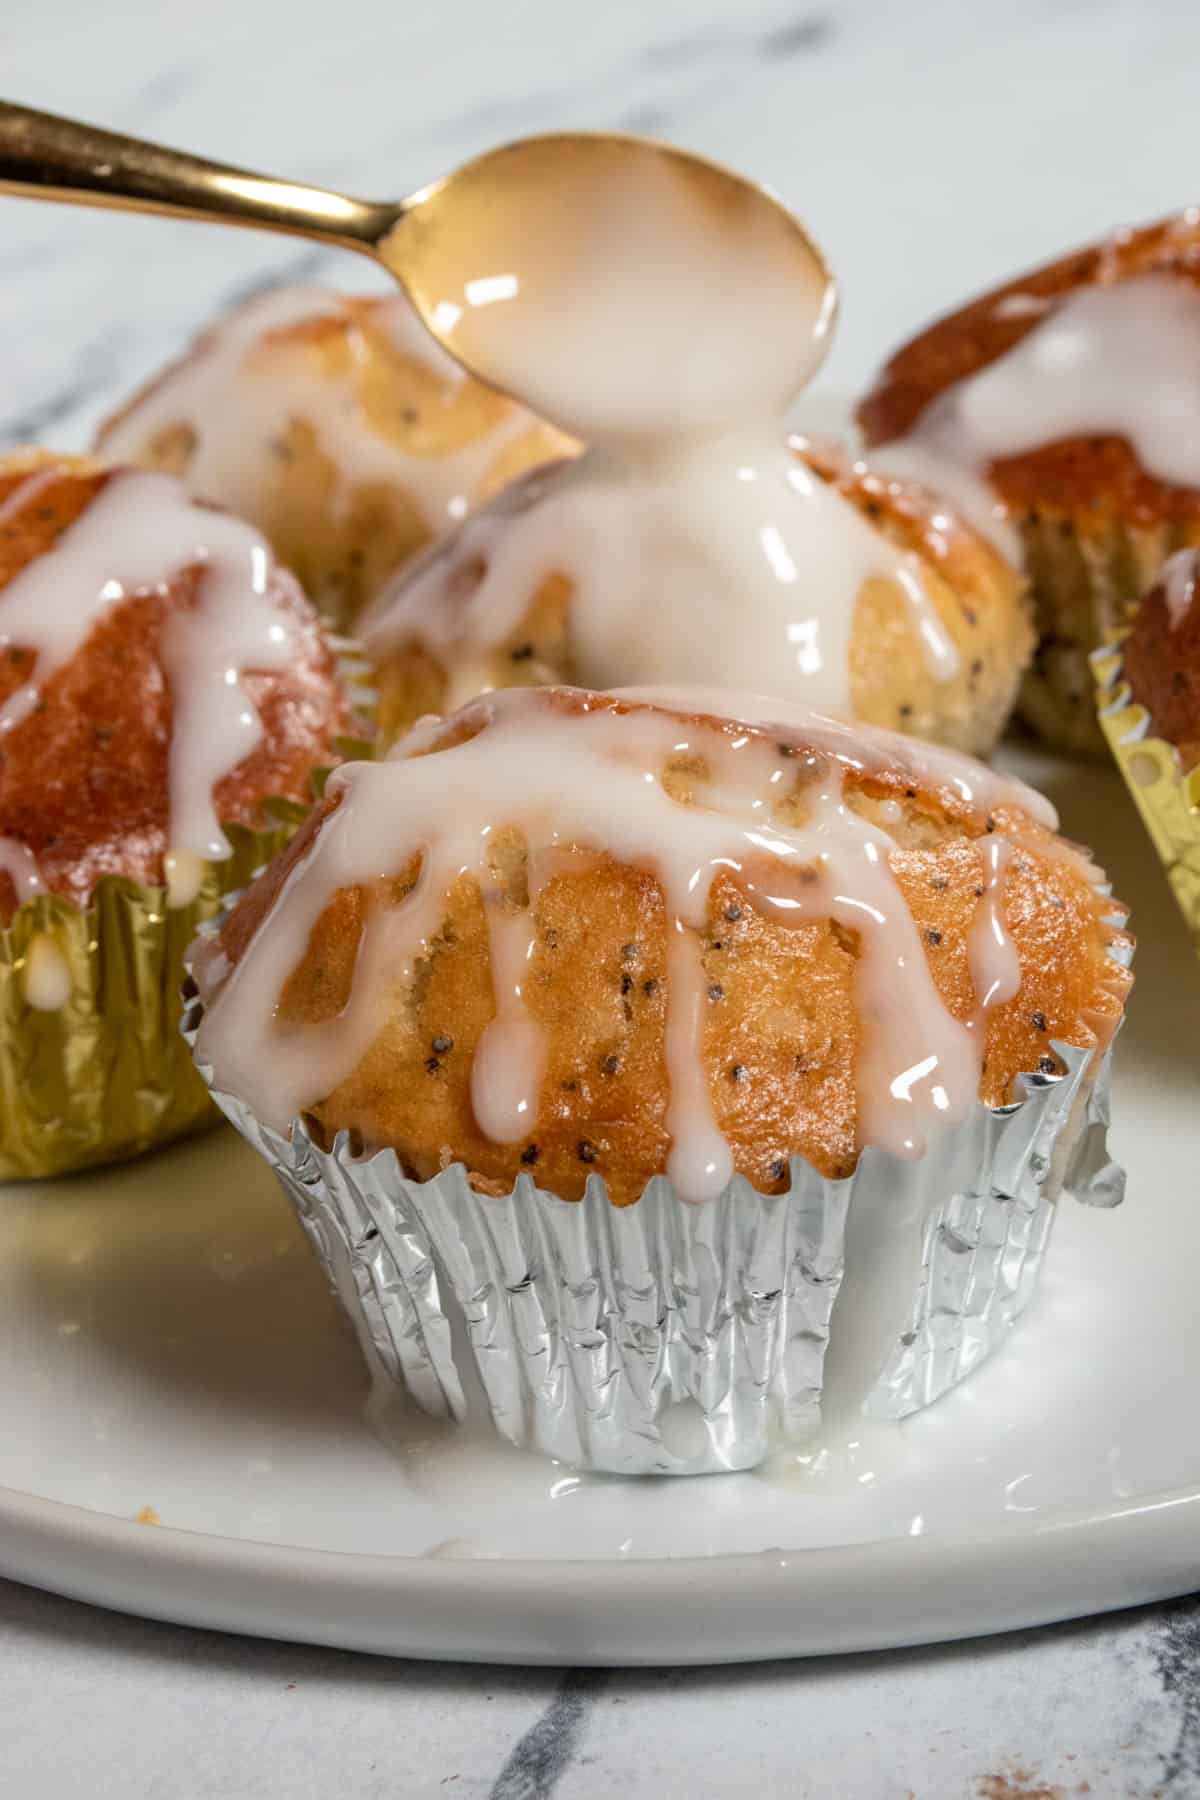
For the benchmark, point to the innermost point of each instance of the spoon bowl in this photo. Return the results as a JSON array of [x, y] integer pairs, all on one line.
[[525, 259]]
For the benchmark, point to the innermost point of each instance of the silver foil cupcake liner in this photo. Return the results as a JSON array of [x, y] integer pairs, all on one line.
[[678, 1339]]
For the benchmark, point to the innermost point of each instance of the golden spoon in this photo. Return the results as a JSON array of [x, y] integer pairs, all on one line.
[[490, 231]]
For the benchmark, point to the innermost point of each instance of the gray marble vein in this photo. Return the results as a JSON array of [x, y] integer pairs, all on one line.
[[1175, 1645], [543, 1754]]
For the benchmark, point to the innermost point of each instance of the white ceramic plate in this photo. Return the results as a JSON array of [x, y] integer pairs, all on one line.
[[166, 1343]]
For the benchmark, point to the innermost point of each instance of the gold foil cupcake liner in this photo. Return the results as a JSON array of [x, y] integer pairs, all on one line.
[[1167, 798], [105, 1075], [672, 1338]]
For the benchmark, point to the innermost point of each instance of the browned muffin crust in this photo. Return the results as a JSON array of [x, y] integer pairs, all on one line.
[[782, 1030], [1161, 662], [980, 599], [84, 779], [1076, 474]]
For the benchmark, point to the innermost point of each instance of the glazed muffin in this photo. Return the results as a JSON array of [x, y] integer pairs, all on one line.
[[1149, 691], [1056, 411], [336, 426], [938, 637], [166, 695], [561, 946]]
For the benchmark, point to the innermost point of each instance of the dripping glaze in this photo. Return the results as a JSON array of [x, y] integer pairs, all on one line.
[[698, 546], [236, 406], [46, 977], [575, 775], [19, 863], [1178, 579], [1117, 360], [140, 532]]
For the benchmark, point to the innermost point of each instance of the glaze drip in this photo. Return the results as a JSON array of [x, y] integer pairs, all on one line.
[[506, 1075], [991, 954], [19, 863], [140, 532], [47, 976], [1120, 360], [1178, 578], [572, 773]]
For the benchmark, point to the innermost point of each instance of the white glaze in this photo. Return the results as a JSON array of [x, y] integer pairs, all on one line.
[[1178, 578], [237, 405], [183, 877], [721, 559], [47, 976], [506, 1074], [1021, 306], [141, 531], [1119, 360], [19, 862], [991, 954], [590, 780], [700, 1163]]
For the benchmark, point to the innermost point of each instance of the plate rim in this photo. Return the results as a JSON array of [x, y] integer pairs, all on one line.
[[883, 1593]]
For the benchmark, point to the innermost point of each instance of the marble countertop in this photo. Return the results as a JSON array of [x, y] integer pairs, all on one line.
[[932, 148]]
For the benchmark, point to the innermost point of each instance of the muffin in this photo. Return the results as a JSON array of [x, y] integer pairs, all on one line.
[[624, 1023], [166, 694], [1058, 411], [927, 625], [1149, 692], [338, 427]]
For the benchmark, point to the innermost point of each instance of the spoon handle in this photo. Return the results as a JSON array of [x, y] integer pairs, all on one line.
[[48, 158]]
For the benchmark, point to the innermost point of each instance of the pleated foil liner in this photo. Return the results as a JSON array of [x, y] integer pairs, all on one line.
[[678, 1339]]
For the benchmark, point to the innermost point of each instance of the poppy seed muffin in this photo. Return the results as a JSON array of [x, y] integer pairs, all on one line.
[[337, 426], [166, 696], [646, 939], [443, 631], [1056, 410]]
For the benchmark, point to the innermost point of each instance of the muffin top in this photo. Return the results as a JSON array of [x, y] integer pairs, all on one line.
[[1160, 658], [566, 934], [161, 674], [337, 425], [1071, 388], [866, 594]]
